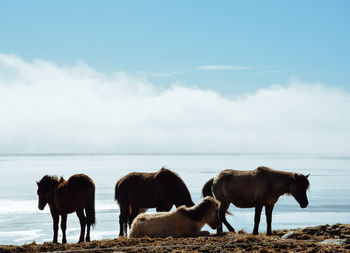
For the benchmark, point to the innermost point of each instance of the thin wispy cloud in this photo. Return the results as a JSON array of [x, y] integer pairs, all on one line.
[[222, 67], [51, 108], [155, 74], [267, 72]]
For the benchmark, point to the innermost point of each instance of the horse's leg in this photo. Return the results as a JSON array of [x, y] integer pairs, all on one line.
[[258, 208], [55, 218], [63, 227], [222, 214], [134, 212], [87, 239], [268, 213], [82, 219], [88, 225], [123, 220]]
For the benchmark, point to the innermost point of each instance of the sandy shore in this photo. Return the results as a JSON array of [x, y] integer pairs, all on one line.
[[323, 238]]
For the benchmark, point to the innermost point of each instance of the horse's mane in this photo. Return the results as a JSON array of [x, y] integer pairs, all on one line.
[[172, 174], [299, 178], [267, 170], [302, 179], [183, 192], [198, 211], [49, 180]]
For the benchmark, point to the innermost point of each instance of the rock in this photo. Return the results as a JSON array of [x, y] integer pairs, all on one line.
[[311, 231], [334, 241], [290, 234]]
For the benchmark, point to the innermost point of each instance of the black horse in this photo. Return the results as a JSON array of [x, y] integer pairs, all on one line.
[[138, 191]]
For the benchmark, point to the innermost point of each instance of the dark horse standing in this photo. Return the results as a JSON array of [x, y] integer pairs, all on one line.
[[256, 188], [138, 191], [64, 197]]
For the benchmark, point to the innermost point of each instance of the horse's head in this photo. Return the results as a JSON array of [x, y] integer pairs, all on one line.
[[45, 187], [298, 189], [213, 213]]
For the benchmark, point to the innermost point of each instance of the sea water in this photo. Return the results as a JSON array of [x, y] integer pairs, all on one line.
[[22, 222]]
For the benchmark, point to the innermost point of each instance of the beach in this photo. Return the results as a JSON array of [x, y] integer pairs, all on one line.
[[323, 238]]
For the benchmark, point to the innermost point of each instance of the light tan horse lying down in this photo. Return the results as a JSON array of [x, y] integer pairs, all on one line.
[[184, 221]]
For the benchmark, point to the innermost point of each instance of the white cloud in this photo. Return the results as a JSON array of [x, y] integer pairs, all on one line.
[[49, 108], [222, 67]]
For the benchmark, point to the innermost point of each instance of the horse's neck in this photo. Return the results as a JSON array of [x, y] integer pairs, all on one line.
[[183, 196], [188, 213], [57, 194], [281, 182], [200, 224], [184, 199], [51, 200]]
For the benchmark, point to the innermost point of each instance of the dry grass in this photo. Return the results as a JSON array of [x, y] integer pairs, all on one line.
[[299, 240]]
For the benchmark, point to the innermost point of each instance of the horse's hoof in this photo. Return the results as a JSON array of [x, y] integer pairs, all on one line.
[[204, 233]]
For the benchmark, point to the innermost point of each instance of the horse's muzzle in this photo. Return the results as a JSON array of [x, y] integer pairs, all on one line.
[[41, 206], [304, 205]]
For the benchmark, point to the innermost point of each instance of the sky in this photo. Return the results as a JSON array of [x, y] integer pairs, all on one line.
[[179, 76]]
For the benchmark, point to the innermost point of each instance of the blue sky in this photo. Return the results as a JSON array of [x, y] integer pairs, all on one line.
[[266, 42]]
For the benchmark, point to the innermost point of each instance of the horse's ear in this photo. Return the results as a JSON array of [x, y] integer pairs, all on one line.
[[37, 183], [307, 175], [294, 176]]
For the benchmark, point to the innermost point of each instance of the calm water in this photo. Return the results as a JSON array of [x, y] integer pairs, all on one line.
[[22, 222]]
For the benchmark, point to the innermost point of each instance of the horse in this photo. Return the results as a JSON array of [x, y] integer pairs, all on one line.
[[68, 196], [257, 188], [184, 221], [138, 191]]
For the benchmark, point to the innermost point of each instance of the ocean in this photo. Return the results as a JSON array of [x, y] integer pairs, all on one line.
[[22, 222]]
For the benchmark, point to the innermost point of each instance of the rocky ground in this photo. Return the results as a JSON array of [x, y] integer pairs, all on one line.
[[323, 238]]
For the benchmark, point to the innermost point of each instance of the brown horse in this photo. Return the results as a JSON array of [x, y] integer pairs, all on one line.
[[64, 197], [138, 191], [256, 188], [184, 221]]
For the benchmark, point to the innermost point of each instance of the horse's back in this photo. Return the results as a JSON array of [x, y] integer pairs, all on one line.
[[235, 178], [74, 193], [160, 224], [244, 188], [80, 181], [137, 188], [135, 178], [150, 224], [236, 186]]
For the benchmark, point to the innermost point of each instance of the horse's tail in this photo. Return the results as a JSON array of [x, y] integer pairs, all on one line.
[[207, 188], [116, 196], [90, 206]]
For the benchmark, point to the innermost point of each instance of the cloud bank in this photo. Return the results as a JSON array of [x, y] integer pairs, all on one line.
[[48, 108]]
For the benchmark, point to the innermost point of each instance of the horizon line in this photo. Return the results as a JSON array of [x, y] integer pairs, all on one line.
[[168, 154]]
